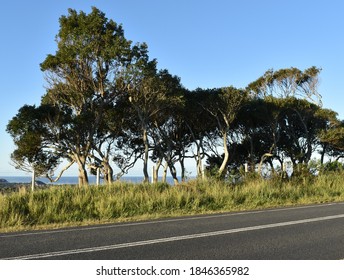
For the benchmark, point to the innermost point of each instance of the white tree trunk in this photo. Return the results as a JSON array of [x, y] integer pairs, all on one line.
[[226, 157], [98, 176], [33, 180]]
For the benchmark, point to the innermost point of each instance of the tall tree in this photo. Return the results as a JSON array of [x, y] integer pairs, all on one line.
[[151, 94], [258, 125], [224, 105], [200, 123], [83, 78]]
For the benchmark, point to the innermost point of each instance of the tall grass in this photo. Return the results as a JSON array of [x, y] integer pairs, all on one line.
[[68, 205]]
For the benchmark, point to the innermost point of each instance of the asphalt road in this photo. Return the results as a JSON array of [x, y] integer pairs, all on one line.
[[308, 232]]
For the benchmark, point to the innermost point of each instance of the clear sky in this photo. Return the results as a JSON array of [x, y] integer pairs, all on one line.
[[208, 44]]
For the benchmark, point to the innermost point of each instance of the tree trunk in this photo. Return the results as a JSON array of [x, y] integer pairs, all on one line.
[[226, 157], [154, 175], [98, 177], [83, 178], [156, 171], [33, 180], [199, 161], [108, 173], [164, 175], [323, 153], [308, 155], [198, 157], [145, 157], [173, 173], [182, 168], [199, 168]]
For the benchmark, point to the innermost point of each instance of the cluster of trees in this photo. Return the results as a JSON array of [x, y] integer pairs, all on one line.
[[108, 105]]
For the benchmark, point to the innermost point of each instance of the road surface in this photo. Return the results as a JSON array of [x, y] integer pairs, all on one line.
[[294, 233]]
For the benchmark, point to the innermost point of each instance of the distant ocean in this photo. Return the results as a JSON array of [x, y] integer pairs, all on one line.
[[73, 180]]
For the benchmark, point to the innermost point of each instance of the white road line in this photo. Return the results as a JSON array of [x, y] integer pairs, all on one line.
[[170, 239], [99, 227]]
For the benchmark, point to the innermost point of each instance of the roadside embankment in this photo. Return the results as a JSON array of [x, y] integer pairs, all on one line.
[[59, 206]]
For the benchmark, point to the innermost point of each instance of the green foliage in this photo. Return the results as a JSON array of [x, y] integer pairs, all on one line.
[[334, 137], [331, 167], [29, 133], [286, 83]]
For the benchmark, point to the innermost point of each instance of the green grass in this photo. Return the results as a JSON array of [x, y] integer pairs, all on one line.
[[67, 206]]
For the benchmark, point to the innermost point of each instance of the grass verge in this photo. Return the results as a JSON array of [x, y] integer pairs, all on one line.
[[71, 206]]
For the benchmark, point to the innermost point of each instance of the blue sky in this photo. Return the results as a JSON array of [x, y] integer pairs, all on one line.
[[207, 43]]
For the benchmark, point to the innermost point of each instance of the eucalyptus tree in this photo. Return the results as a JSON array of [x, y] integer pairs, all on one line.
[[182, 138], [288, 83], [82, 77], [224, 105], [104, 143], [258, 123], [171, 140], [129, 147], [151, 94], [301, 124], [284, 87], [332, 137], [33, 151], [164, 147], [168, 122], [200, 123], [335, 138], [327, 120]]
